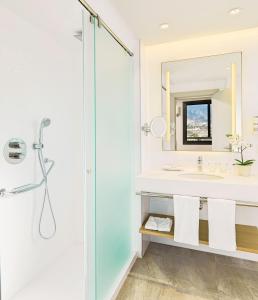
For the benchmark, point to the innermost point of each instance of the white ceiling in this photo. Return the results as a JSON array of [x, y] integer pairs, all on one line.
[[186, 18]]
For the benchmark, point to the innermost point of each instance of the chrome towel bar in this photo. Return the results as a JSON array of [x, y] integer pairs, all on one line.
[[202, 199]]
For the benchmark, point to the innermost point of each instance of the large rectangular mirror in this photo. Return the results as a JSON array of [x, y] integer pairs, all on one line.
[[201, 102]]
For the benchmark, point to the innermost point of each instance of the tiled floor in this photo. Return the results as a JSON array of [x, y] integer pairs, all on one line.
[[168, 272]]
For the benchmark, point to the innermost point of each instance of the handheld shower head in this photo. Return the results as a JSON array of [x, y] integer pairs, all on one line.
[[43, 161], [44, 123]]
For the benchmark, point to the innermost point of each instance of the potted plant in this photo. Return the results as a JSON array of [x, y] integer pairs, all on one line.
[[243, 166]]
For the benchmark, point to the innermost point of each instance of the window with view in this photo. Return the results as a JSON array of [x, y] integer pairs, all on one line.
[[197, 122]]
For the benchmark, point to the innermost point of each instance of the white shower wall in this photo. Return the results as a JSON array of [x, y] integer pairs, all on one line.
[[40, 76]]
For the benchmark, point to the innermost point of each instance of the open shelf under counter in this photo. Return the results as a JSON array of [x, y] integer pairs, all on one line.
[[246, 236]]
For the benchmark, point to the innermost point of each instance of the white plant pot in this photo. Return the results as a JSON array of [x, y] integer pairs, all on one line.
[[243, 170]]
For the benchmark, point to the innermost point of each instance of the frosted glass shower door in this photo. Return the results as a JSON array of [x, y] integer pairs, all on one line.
[[113, 164]]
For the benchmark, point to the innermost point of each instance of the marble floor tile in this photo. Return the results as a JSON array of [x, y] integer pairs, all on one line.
[[254, 292], [160, 249], [140, 289], [167, 272], [250, 278], [240, 263]]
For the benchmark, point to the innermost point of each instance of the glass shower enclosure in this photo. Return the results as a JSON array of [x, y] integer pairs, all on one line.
[[85, 88], [108, 105]]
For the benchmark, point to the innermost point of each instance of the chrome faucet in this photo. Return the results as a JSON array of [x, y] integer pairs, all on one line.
[[199, 163]]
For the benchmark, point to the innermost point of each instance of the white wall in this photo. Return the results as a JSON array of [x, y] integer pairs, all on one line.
[[152, 56], [40, 77]]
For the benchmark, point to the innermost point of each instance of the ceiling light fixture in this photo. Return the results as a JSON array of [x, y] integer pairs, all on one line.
[[163, 26], [235, 11]]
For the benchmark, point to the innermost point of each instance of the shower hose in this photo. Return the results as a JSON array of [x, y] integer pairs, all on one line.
[[46, 199]]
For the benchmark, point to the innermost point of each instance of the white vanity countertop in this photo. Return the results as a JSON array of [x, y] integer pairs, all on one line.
[[170, 182]]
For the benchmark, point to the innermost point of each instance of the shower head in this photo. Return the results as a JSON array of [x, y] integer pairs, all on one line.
[[45, 122]]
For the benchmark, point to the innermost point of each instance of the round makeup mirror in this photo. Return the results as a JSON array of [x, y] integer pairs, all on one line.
[[158, 127]]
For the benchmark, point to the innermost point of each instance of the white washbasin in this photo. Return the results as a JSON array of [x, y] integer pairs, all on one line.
[[201, 176]]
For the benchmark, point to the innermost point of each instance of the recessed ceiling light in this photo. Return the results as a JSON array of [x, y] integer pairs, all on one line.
[[235, 11], [163, 26]]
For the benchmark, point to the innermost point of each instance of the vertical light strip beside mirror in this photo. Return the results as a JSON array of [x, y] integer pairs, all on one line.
[[233, 96], [168, 106]]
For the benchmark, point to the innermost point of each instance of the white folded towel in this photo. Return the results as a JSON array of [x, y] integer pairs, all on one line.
[[164, 224], [222, 224], [151, 224], [186, 211], [159, 224]]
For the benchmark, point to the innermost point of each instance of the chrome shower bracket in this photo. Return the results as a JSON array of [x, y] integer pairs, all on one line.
[[91, 19], [36, 146], [99, 22]]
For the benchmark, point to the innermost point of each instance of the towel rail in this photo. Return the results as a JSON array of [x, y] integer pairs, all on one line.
[[202, 199]]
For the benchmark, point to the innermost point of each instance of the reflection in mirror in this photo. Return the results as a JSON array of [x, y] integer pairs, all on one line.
[[197, 122], [201, 102]]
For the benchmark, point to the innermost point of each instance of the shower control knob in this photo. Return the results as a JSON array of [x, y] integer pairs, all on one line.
[[15, 151], [88, 171]]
